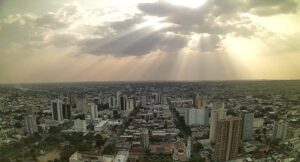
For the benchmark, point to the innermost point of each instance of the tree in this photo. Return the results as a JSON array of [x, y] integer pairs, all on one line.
[[99, 140], [54, 130], [18, 125], [66, 152], [197, 159], [80, 116], [180, 134], [53, 140], [75, 138], [90, 127], [116, 114], [197, 147], [85, 147], [109, 149]]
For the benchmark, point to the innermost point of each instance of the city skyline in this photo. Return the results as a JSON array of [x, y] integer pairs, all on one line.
[[76, 40]]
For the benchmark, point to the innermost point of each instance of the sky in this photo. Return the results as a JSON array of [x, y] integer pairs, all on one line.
[[136, 40]]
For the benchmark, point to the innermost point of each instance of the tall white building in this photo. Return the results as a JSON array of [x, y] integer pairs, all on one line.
[[247, 125], [56, 109], [196, 117], [130, 104], [145, 138], [94, 111], [30, 123], [217, 113], [280, 130]]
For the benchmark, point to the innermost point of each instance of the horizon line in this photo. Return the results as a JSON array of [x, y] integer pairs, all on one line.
[[144, 81]]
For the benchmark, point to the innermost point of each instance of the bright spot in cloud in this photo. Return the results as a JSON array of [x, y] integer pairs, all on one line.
[[187, 3], [153, 22]]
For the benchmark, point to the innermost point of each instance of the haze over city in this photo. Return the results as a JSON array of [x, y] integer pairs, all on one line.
[[149, 81], [98, 40]]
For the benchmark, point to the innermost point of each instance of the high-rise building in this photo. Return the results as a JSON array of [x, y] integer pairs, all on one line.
[[66, 111], [196, 117], [227, 139], [103, 99], [247, 125], [70, 99], [145, 138], [189, 148], [118, 96], [164, 99], [143, 101], [56, 109], [280, 130], [112, 102], [81, 105], [218, 112], [130, 104], [157, 97], [94, 111], [123, 102], [30, 123], [199, 101]]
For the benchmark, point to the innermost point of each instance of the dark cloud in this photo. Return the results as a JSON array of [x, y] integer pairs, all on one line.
[[126, 25], [215, 16], [135, 43], [214, 20], [206, 19]]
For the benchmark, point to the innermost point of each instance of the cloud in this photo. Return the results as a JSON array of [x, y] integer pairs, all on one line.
[[63, 17], [72, 26], [63, 40], [135, 43], [272, 7], [127, 24], [217, 18]]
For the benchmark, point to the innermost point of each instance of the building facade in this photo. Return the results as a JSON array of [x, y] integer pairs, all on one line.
[[30, 124], [227, 139], [66, 111], [56, 109], [247, 125], [280, 130], [94, 111], [218, 112]]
